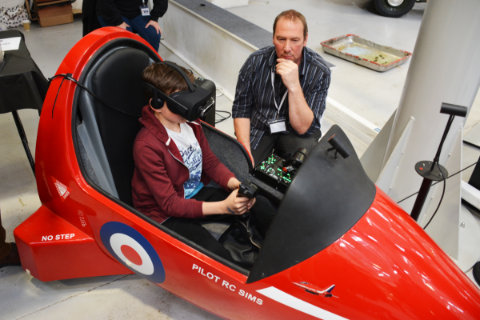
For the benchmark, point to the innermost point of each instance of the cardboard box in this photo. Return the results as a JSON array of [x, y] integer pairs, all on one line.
[[56, 14]]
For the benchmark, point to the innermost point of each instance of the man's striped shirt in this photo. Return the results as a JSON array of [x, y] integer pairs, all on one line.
[[255, 92]]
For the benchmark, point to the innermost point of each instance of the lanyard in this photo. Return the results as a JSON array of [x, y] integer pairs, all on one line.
[[275, 101]]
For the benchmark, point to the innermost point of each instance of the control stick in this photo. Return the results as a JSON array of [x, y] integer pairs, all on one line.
[[247, 190]]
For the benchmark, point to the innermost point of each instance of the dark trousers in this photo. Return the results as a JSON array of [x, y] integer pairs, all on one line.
[[283, 144], [89, 16], [4, 247], [8, 251], [263, 213], [193, 230], [137, 25]]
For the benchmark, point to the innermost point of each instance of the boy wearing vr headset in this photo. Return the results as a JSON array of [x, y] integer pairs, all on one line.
[[174, 163]]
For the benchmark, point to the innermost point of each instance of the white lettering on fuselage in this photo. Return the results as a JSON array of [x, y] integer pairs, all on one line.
[[60, 236], [208, 275], [226, 284]]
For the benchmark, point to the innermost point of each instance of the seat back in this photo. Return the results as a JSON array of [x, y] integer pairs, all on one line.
[[229, 151], [107, 120]]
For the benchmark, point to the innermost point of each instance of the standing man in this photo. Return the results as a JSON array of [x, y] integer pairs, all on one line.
[[281, 92], [134, 16]]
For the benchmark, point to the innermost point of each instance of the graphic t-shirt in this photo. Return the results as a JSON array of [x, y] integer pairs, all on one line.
[[191, 152]]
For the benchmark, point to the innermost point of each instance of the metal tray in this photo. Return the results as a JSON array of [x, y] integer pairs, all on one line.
[[365, 53]]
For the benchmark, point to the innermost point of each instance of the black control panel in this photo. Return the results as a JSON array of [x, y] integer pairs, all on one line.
[[273, 176], [276, 172]]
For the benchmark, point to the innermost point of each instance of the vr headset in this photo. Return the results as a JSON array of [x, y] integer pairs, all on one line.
[[191, 104]]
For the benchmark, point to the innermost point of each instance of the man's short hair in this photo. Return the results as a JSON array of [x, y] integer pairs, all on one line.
[[292, 15]]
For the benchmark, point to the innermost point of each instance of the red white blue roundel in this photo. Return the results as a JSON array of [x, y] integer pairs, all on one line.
[[129, 247]]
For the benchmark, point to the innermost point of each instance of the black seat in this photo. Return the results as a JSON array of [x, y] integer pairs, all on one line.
[[107, 120], [229, 151]]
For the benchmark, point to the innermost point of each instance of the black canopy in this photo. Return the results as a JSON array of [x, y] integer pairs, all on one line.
[[327, 197]]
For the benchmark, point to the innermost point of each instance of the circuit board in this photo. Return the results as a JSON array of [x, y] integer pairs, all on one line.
[[276, 172]]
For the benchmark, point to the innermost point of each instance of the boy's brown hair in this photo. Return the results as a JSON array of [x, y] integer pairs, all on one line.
[[166, 78]]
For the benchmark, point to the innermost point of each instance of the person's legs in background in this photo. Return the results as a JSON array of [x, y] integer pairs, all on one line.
[[264, 148], [89, 16], [283, 145], [137, 25], [104, 24], [288, 144], [8, 251], [150, 34]]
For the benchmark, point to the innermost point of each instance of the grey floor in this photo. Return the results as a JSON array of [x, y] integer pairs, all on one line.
[[374, 97]]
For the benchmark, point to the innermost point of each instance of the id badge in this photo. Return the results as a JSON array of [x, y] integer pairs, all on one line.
[[277, 126], [144, 10]]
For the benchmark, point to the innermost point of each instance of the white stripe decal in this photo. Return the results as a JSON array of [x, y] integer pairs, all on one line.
[[300, 305]]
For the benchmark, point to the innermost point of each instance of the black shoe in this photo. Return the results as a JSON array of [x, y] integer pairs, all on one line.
[[11, 258]]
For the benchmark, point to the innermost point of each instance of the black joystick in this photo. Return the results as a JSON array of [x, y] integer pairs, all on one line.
[[247, 190]]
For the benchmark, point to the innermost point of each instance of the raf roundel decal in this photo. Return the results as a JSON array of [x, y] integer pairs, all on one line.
[[129, 247]]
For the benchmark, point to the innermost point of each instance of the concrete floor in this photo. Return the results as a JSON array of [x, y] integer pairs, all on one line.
[[372, 95]]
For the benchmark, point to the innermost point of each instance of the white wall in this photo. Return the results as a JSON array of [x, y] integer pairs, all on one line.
[[207, 48]]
